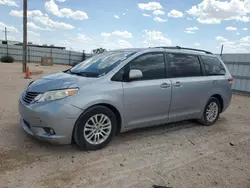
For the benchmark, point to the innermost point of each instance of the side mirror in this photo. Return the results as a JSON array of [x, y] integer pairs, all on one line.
[[135, 74]]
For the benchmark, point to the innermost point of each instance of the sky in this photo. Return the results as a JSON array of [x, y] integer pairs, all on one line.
[[113, 24]]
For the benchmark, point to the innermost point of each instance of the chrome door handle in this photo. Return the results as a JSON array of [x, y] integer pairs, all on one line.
[[165, 85], [177, 84]]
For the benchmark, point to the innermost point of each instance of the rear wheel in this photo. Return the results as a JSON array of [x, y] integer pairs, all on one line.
[[211, 112], [95, 128]]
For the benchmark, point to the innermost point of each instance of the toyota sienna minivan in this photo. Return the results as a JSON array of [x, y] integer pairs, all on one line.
[[120, 90]]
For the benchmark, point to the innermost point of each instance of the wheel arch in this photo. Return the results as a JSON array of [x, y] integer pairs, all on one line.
[[109, 106], [218, 96]]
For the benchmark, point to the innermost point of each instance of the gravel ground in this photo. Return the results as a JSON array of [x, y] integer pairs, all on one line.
[[177, 155]]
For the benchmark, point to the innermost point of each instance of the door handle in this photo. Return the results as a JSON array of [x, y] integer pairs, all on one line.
[[177, 84], [165, 85]]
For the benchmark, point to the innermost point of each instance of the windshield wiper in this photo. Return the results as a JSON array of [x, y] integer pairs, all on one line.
[[86, 74]]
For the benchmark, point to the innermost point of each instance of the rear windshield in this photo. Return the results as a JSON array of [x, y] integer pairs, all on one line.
[[100, 64]]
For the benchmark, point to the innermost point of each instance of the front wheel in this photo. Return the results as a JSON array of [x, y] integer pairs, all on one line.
[[95, 128], [211, 112]]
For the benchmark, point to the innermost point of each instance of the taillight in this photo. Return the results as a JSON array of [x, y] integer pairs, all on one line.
[[230, 80]]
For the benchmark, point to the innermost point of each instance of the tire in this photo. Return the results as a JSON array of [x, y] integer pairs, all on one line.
[[205, 120], [86, 125]]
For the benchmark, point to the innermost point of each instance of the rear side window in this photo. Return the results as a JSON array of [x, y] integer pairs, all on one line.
[[152, 65], [213, 66], [183, 65]]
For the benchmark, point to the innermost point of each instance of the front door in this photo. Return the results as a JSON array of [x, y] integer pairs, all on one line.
[[147, 100]]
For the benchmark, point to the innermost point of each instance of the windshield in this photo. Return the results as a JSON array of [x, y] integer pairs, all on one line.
[[100, 64]]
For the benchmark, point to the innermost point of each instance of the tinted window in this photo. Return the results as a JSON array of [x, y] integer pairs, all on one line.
[[183, 65], [213, 66], [119, 76], [152, 66]]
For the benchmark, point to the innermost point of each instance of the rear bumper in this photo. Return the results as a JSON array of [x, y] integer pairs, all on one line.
[[227, 101], [55, 115]]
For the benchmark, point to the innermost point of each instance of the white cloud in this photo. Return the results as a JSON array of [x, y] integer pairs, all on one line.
[[244, 29], [44, 19], [197, 44], [30, 14], [123, 44], [53, 8], [175, 14], [158, 19], [208, 21], [231, 28], [214, 11], [188, 18], [220, 38], [191, 30], [32, 33], [123, 34], [33, 37], [123, 13], [245, 39], [158, 12], [237, 33], [103, 34], [150, 6], [31, 25], [239, 46], [65, 43], [80, 42], [82, 37], [155, 38], [61, 1], [243, 18], [147, 15], [228, 43], [117, 17], [9, 28], [9, 3], [117, 44]]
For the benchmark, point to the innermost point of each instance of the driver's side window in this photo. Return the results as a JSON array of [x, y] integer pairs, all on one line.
[[151, 65]]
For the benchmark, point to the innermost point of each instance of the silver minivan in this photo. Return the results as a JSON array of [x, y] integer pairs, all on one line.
[[120, 90]]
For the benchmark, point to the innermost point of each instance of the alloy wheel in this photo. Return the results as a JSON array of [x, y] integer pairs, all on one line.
[[212, 111], [97, 129]]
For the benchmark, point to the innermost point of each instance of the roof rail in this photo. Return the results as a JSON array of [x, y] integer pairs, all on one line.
[[182, 48]]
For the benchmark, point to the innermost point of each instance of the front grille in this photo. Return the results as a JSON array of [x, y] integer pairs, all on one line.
[[29, 96]]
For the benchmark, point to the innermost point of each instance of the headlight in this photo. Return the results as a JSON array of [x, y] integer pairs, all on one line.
[[55, 95]]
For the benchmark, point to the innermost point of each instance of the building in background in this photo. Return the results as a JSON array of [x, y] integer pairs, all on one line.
[[18, 43]]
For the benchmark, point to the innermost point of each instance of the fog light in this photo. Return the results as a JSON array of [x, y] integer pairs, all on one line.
[[49, 130]]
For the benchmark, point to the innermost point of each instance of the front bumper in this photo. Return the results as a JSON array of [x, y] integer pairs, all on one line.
[[57, 115]]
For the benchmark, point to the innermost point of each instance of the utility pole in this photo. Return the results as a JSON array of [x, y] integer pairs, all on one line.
[[24, 35], [6, 39]]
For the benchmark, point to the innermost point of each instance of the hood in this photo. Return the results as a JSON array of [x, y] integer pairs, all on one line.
[[56, 81]]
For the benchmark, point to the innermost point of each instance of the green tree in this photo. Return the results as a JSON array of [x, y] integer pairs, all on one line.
[[98, 50]]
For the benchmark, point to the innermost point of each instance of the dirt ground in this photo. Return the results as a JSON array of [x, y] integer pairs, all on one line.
[[177, 155]]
